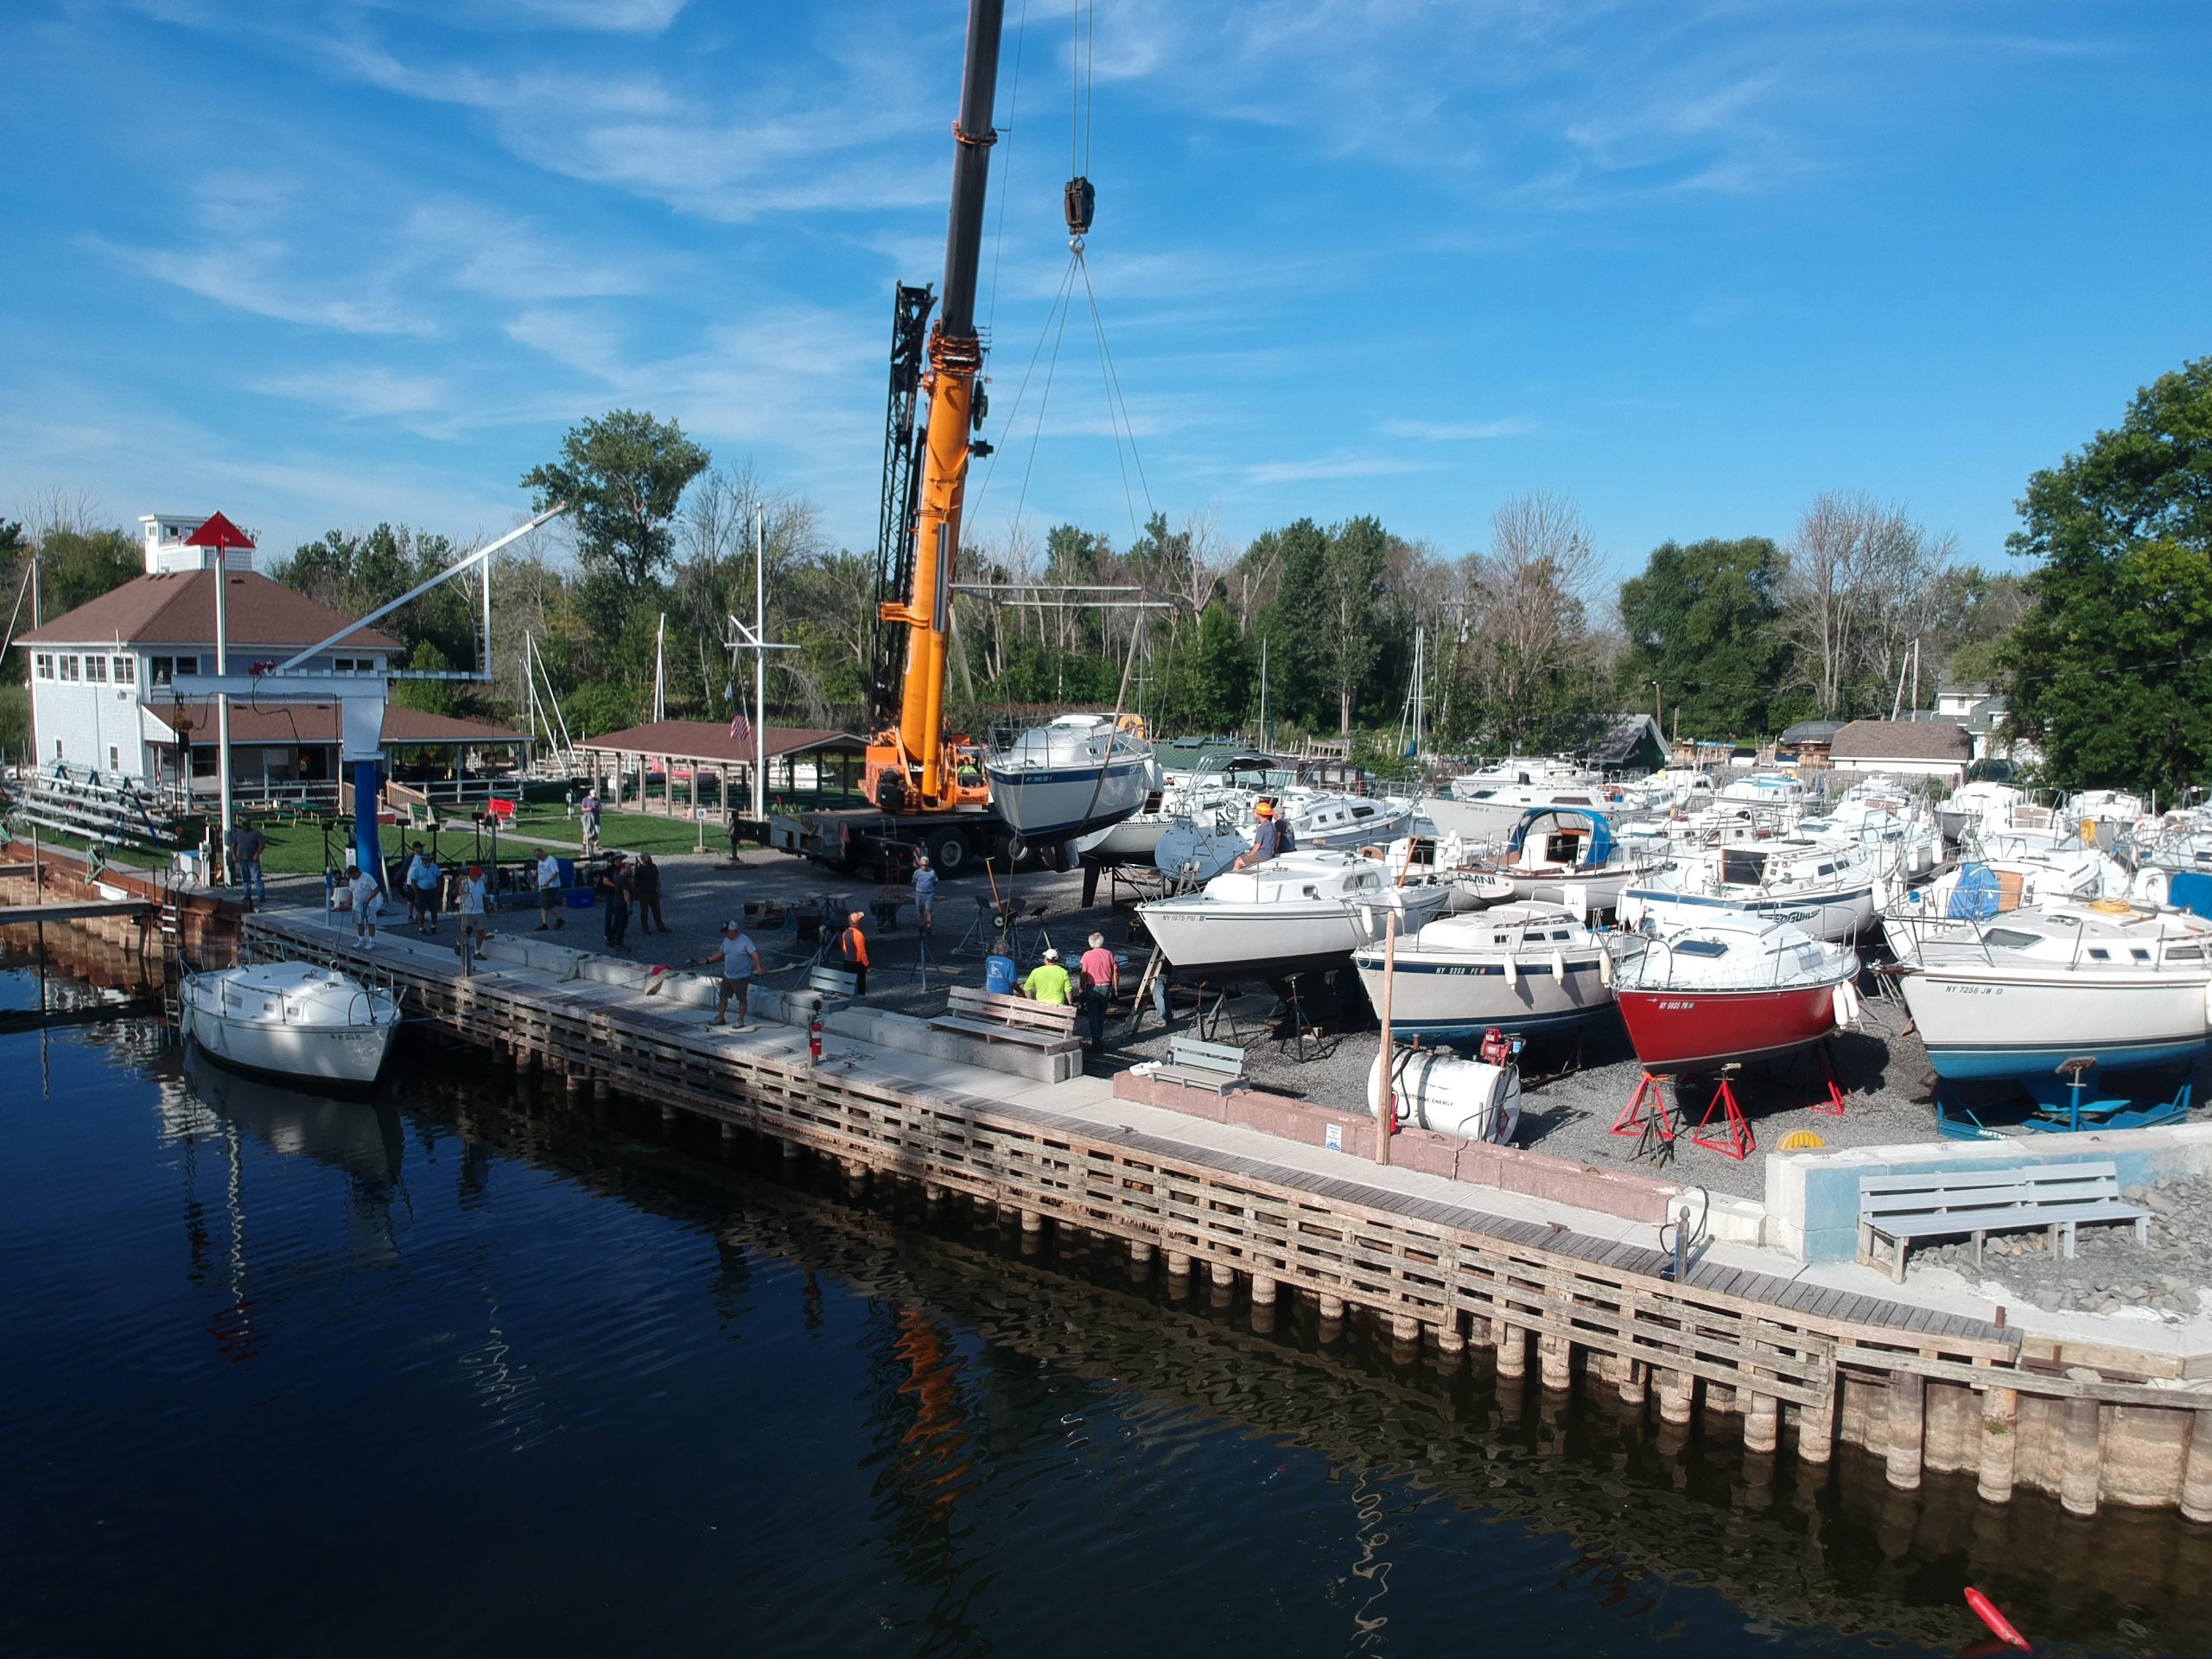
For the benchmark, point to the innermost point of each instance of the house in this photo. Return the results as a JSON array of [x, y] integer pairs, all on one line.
[[101, 677], [1904, 748], [1982, 712], [1630, 745]]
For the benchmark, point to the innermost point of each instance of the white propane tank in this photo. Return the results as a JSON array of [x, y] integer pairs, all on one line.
[[1436, 1089]]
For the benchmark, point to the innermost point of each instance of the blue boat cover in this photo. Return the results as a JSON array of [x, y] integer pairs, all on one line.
[[1978, 896], [2191, 891], [1601, 833]]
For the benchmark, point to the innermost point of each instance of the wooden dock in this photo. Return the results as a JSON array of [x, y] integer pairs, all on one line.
[[1820, 1366]]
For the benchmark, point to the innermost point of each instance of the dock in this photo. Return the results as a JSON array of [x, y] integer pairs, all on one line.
[[72, 910], [1570, 1300]]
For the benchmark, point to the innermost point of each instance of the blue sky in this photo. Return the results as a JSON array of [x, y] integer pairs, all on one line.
[[321, 262]]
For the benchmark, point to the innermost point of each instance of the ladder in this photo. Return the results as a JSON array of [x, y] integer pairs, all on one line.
[[172, 937]]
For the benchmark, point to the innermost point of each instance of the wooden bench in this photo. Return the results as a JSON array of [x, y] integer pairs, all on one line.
[[1046, 1026], [1976, 1203], [825, 986], [1215, 1067]]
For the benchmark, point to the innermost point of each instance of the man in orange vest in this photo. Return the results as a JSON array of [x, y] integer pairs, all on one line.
[[852, 945]]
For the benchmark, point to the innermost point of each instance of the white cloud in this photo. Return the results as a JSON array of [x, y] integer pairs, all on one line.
[[1512, 426], [361, 390], [1329, 466]]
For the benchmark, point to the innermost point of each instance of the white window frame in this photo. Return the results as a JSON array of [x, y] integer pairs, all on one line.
[[68, 666], [126, 670], [95, 669], [43, 665]]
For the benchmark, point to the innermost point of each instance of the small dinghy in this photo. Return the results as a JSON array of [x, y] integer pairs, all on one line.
[[292, 1021]]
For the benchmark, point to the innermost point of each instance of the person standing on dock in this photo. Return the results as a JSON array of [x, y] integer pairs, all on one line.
[[590, 810], [852, 947], [614, 886], [368, 900], [925, 896], [645, 881], [548, 892], [740, 960], [473, 897], [1102, 979], [423, 878], [1050, 983], [252, 845]]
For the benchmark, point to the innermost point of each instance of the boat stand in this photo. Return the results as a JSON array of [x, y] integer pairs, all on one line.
[[1832, 1105], [1956, 1120], [2100, 1112], [1650, 1117], [1300, 1038], [1735, 1138]]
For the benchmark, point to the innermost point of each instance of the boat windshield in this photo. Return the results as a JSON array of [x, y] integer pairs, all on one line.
[[2010, 939]]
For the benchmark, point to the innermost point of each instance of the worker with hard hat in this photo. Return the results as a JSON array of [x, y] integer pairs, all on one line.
[[1271, 837]]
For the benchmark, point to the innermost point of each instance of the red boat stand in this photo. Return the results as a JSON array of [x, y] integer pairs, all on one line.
[[1735, 1141], [1647, 1113], [1834, 1104]]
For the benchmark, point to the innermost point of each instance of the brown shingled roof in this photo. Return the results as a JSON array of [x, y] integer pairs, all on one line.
[[1901, 739], [317, 723], [179, 610]]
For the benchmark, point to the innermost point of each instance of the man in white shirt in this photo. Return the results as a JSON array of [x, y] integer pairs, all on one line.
[[473, 899], [740, 960], [368, 900], [549, 892]]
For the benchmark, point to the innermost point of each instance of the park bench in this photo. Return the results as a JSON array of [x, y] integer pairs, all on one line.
[[1907, 1208], [1213, 1066], [1047, 1027], [826, 987]]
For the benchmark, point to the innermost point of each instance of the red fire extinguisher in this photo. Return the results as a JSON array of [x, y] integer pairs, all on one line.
[[814, 1040]]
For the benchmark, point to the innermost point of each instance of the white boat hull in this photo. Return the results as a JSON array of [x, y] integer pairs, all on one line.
[[254, 1031], [1837, 917], [1977, 1024], [1448, 995], [1060, 803], [1208, 940]]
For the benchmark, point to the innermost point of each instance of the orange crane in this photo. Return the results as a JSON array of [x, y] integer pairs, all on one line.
[[915, 766]]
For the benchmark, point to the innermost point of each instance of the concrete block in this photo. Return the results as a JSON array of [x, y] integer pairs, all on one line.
[[904, 1034], [556, 960]]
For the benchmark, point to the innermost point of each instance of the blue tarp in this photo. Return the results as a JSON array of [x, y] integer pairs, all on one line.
[[2190, 891], [1978, 896], [1601, 833]]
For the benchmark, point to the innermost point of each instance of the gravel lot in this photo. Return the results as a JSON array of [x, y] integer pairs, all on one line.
[[1569, 1101]]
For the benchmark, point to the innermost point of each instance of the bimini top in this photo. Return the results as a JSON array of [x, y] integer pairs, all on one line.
[[1600, 851]]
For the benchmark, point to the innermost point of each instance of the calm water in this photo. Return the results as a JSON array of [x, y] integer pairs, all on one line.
[[467, 1371]]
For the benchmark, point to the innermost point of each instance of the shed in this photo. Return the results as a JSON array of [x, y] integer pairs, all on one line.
[[1904, 748], [799, 759], [1627, 743]]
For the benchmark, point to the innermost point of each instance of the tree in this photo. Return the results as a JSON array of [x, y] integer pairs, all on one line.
[[1704, 621], [76, 566], [355, 573], [622, 476], [431, 697], [1529, 589], [2111, 668]]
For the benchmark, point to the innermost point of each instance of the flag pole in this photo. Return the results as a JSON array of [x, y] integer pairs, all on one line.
[[760, 665]]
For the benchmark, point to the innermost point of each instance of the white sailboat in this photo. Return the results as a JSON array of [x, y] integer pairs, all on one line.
[[1300, 913], [1079, 773], [290, 1021]]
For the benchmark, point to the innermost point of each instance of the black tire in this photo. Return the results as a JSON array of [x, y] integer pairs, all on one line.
[[1020, 853], [948, 852]]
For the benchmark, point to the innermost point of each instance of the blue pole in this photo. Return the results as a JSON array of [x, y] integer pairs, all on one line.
[[368, 844]]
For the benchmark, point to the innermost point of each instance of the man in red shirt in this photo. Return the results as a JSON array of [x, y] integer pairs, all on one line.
[[1101, 977]]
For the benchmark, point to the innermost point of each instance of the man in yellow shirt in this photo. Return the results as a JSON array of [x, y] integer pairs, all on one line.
[[1049, 982]]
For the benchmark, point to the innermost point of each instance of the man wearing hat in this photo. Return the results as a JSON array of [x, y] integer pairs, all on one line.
[[1049, 982], [740, 960], [1270, 840], [368, 899], [852, 948]]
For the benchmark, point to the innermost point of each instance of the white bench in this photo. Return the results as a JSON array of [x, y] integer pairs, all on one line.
[[1215, 1067], [1976, 1203], [825, 987], [1046, 1026]]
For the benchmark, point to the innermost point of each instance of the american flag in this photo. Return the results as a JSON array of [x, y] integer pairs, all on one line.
[[739, 726]]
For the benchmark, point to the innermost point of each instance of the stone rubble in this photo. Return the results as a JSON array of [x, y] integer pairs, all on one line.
[[2110, 1272]]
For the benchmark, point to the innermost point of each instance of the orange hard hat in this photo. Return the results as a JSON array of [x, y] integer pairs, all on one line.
[[1265, 808]]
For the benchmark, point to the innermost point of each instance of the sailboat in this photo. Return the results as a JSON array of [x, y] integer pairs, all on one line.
[[1076, 774]]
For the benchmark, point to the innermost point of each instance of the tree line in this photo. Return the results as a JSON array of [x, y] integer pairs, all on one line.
[[2095, 626]]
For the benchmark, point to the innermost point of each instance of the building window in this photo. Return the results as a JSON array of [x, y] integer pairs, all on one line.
[[166, 668], [114, 759], [68, 669], [126, 670], [43, 665], [96, 670]]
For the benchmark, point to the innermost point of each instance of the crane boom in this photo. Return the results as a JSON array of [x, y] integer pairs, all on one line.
[[907, 764]]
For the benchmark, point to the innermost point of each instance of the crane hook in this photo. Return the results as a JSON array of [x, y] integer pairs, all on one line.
[[1081, 201]]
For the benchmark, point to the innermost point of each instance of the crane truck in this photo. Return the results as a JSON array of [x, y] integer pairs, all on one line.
[[927, 785]]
